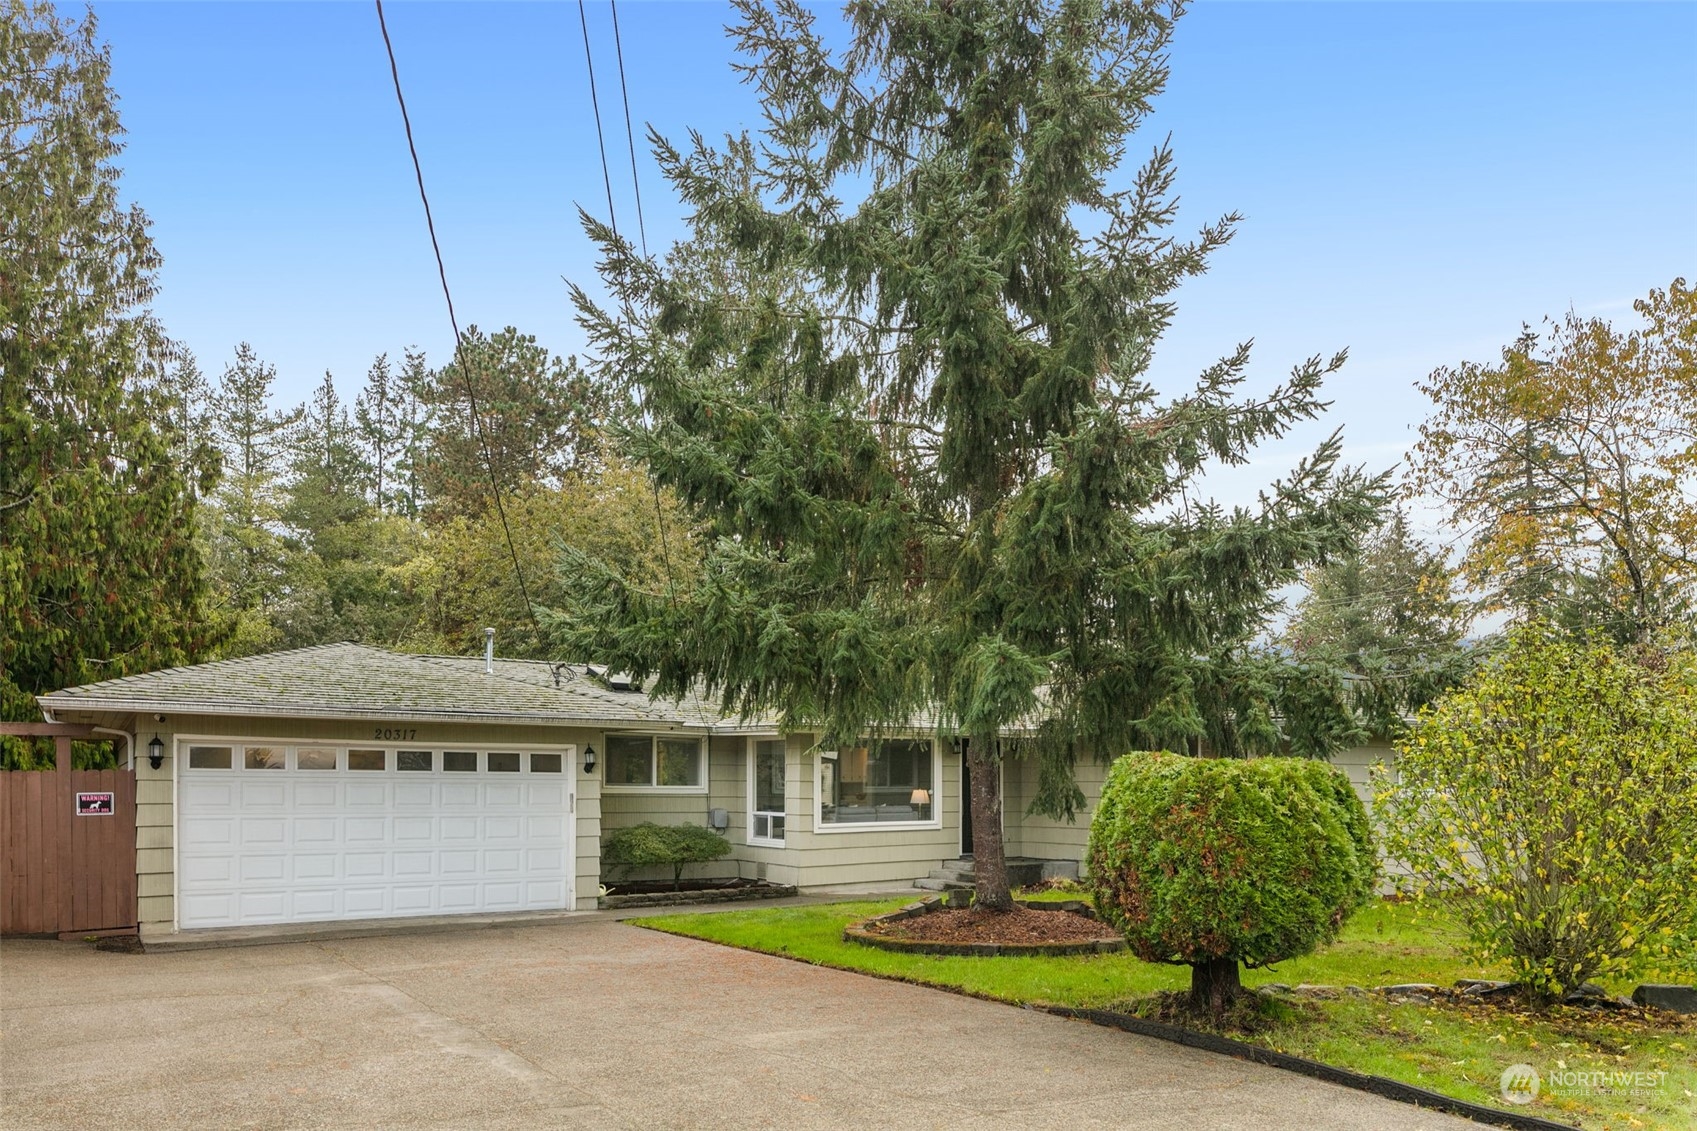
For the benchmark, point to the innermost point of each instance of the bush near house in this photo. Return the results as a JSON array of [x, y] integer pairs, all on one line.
[[650, 845], [1214, 862], [1558, 790]]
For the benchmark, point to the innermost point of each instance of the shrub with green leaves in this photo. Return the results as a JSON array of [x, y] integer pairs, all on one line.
[[1552, 803], [1211, 862], [652, 845]]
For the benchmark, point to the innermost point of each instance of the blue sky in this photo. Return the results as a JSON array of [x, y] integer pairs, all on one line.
[[1417, 179]]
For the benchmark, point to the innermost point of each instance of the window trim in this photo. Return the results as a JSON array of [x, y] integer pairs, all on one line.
[[936, 822], [653, 738], [753, 742]]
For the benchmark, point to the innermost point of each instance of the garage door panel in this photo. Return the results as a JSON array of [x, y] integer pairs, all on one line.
[[312, 831], [459, 897], [317, 795], [356, 830], [412, 864], [459, 829], [413, 829], [459, 862], [410, 795], [307, 905], [418, 899], [365, 903], [263, 831], [364, 865], [262, 906], [360, 795], [263, 869], [314, 866], [263, 795], [304, 845]]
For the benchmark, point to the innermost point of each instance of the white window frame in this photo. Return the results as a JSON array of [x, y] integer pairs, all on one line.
[[753, 744], [936, 821], [701, 766]]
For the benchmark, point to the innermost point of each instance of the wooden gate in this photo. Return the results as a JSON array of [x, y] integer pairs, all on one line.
[[67, 850]]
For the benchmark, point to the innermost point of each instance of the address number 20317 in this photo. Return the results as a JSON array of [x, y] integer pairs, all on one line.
[[395, 734]]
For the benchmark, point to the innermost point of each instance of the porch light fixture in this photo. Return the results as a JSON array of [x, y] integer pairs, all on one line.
[[589, 759], [156, 753]]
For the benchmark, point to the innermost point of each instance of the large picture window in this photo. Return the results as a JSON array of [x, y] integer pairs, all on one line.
[[640, 761], [889, 781]]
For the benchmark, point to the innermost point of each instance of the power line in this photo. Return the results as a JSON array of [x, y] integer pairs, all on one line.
[[595, 104], [630, 135], [453, 319]]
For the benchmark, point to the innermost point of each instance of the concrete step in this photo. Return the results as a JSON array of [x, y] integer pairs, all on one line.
[[929, 884]]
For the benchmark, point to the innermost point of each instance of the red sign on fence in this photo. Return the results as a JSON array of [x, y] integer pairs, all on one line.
[[94, 805]]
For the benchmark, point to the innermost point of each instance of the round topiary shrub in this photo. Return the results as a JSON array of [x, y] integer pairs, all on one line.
[[1210, 862]]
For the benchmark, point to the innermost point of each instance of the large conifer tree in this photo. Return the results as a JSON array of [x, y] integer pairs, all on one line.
[[99, 572], [901, 371]]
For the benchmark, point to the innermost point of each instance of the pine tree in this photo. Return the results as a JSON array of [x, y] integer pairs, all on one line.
[[901, 374], [380, 417], [99, 573], [536, 414], [249, 556]]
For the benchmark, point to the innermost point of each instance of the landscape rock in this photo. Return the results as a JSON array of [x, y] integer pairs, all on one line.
[[1409, 989], [1594, 996], [1323, 992], [1275, 988], [1677, 999], [1483, 987]]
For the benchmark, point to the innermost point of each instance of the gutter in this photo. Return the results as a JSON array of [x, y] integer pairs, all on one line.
[[255, 710]]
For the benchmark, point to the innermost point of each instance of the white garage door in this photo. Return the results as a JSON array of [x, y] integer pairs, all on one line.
[[287, 833]]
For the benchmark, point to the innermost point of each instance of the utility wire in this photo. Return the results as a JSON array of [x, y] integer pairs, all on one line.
[[630, 135], [595, 104], [454, 322], [613, 222]]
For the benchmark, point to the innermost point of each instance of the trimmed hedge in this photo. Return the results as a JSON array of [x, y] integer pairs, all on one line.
[[1199, 861]]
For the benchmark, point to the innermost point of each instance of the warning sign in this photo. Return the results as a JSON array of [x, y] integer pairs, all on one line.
[[94, 805]]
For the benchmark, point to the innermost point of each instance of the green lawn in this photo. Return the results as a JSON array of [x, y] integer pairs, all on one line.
[[1455, 1051]]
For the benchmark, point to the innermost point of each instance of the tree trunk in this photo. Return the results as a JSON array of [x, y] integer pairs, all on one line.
[[1214, 985], [989, 857]]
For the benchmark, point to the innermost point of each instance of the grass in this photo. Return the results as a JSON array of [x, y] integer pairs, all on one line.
[[1457, 1051]]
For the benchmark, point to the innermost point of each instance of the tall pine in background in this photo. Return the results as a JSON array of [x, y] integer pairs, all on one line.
[[99, 572], [901, 375]]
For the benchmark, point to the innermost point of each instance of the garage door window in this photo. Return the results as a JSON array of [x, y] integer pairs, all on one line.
[[264, 758], [544, 763], [503, 763], [368, 759], [459, 761], [209, 757], [415, 761], [315, 758]]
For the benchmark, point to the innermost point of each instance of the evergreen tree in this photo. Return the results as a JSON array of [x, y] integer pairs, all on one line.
[[382, 421], [99, 573], [1384, 626], [248, 553], [413, 424], [900, 374], [536, 413]]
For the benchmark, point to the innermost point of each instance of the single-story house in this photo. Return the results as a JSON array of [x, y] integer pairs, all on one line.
[[351, 782]]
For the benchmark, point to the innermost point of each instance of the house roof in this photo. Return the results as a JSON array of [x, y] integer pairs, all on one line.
[[359, 681]]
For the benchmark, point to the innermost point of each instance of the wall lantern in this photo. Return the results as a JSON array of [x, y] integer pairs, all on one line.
[[589, 759], [156, 753]]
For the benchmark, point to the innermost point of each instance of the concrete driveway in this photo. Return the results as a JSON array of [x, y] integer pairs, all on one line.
[[586, 1023]]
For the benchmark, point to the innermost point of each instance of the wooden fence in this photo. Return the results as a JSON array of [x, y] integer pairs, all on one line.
[[67, 850]]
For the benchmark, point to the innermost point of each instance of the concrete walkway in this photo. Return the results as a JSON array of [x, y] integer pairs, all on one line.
[[585, 1022]]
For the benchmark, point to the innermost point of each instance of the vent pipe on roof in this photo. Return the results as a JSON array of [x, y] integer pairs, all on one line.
[[488, 651]]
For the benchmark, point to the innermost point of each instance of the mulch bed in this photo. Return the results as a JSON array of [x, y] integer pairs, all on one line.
[[658, 887], [1018, 927]]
